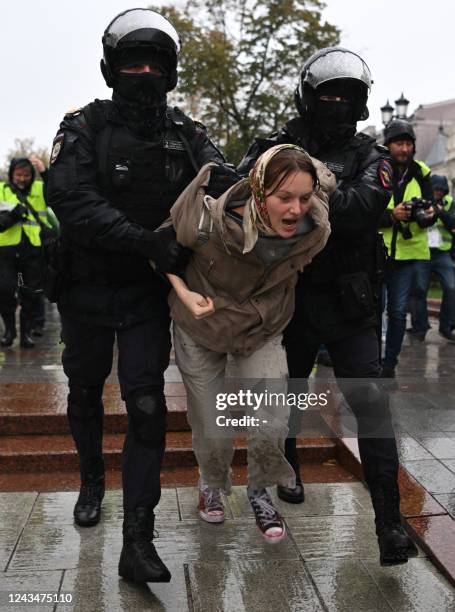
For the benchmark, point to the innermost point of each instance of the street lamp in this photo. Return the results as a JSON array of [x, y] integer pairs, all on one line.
[[402, 107], [387, 113], [401, 110]]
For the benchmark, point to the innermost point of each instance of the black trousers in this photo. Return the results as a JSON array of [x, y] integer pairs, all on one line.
[[355, 357], [27, 260], [143, 356]]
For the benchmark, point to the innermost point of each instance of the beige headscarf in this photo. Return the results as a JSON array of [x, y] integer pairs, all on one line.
[[256, 217]]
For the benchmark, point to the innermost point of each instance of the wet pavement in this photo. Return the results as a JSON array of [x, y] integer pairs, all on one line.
[[329, 561]]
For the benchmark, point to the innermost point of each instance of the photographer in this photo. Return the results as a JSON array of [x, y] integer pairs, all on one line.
[[440, 238], [404, 224]]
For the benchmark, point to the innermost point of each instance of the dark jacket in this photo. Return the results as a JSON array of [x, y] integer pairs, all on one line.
[[110, 189], [355, 210]]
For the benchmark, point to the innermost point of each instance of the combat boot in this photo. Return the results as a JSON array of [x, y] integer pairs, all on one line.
[[8, 337], [10, 329], [27, 340], [297, 494], [87, 511], [139, 561], [395, 546]]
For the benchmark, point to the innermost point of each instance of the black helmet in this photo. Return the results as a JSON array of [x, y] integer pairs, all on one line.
[[144, 30], [439, 181], [330, 65], [399, 129]]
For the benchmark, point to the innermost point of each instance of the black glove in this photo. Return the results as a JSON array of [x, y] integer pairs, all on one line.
[[18, 212], [221, 178], [168, 255]]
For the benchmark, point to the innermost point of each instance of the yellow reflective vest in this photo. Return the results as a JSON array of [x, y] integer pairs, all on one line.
[[29, 225], [445, 234], [417, 246]]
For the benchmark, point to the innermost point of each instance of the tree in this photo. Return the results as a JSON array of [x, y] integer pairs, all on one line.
[[24, 147], [241, 60]]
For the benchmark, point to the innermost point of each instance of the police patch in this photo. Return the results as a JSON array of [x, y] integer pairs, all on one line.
[[385, 174], [57, 146]]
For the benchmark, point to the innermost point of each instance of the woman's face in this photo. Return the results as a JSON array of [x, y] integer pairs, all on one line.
[[289, 203]]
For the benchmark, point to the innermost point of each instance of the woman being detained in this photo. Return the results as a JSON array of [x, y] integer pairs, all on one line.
[[237, 297]]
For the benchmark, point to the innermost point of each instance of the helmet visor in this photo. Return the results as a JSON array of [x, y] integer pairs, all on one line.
[[337, 64], [142, 21]]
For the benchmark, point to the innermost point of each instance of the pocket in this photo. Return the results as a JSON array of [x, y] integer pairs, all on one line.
[[356, 295]]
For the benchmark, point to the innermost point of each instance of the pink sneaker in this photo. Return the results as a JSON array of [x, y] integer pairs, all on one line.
[[268, 519], [211, 507]]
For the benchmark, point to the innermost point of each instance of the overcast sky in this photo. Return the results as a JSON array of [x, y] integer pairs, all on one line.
[[50, 52]]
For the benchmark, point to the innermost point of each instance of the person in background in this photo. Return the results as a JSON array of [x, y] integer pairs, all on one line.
[[23, 214], [440, 238]]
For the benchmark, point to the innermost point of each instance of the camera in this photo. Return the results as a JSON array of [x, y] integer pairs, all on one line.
[[418, 208]]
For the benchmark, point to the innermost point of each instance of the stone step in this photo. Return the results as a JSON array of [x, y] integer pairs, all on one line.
[[47, 453]]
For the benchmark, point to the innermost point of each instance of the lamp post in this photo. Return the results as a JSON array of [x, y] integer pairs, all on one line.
[[401, 110]]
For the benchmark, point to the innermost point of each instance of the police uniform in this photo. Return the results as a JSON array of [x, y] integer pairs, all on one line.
[[110, 188]]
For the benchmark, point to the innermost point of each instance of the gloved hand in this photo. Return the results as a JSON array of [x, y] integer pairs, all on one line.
[[168, 255], [18, 212], [221, 178]]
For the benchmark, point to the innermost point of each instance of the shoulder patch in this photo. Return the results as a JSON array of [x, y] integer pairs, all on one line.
[[57, 146], [385, 174]]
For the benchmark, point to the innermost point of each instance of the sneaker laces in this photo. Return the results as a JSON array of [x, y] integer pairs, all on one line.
[[265, 510], [212, 499]]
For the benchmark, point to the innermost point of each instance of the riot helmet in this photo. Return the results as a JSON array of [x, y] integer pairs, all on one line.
[[399, 129], [140, 36], [336, 72]]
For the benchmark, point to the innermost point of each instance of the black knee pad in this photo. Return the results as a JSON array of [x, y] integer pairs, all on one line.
[[85, 403], [147, 413], [369, 401]]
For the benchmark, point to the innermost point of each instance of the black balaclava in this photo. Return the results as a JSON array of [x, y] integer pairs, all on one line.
[[334, 122], [141, 98], [20, 162]]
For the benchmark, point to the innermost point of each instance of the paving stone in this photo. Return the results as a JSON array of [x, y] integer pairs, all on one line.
[[33, 583], [450, 463], [432, 475], [188, 499], [448, 501], [320, 500], [409, 449], [438, 533], [346, 586], [99, 589], [15, 508], [416, 585], [441, 447], [334, 537], [240, 585]]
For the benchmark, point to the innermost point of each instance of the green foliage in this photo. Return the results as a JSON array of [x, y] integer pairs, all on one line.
[[240, 62]]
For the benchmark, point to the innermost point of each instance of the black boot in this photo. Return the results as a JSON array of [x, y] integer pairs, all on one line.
[[296, 495], [395, 546], [9, 319], [87, 510], [139, 561], [8, 338], [26, 339]]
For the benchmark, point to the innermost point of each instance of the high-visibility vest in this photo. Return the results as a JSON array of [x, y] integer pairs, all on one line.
[[445, 234], [417, 246], [28, 225]]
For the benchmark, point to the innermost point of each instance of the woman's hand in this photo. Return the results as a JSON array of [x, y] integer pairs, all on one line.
[[198, 305]]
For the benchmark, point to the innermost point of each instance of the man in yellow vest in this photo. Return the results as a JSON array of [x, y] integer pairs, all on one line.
[[404, 225], [23, 212], [440, 238]]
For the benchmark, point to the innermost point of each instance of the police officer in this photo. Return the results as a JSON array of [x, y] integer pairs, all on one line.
[[404, 226], [116, 168], [23, 213], [335, 299]]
